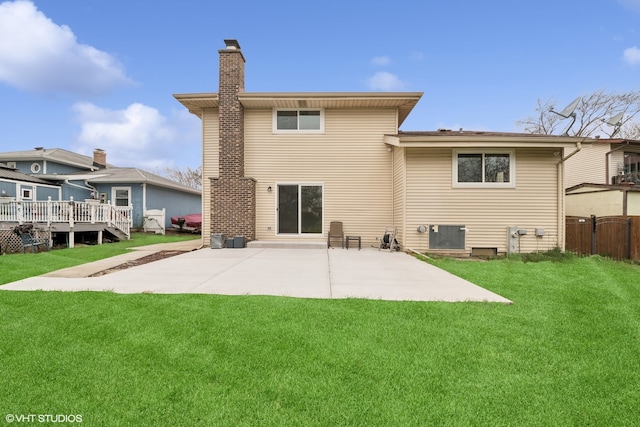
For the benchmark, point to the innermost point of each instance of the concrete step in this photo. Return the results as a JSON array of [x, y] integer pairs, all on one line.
[[286, 244]]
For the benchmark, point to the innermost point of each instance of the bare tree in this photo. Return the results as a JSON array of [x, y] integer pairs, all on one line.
[[187, 176], [592, 113]]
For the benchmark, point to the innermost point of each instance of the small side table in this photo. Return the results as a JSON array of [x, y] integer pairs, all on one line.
[[354, 238]]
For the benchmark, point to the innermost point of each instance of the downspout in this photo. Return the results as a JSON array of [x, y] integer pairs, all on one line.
[[561, 198], [88, 187], [144, 198]]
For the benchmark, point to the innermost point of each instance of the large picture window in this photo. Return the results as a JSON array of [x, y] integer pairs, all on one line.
[[311, 121], [483, 168]]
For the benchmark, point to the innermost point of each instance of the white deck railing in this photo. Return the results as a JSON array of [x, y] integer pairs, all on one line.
[[67, 211]]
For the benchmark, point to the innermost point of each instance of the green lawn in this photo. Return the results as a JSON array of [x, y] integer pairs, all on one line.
[[565, 353], [20, 266]]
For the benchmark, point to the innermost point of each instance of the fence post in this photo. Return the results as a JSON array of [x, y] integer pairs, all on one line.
[[628, 238], [49, 211], [19, 212], [593, 235], [71, 212]]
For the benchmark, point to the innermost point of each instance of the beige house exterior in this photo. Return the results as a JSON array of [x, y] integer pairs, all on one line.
[[603, 179], [603, 200], [279, 167], [606, 161], [485, 213]]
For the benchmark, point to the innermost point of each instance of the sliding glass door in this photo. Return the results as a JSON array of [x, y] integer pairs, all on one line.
[[299, 209]]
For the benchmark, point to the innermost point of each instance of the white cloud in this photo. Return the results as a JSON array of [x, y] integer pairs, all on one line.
[[631, 4], [632, 55], [138, 136], [381, 60], [38, 55], [386, 82]]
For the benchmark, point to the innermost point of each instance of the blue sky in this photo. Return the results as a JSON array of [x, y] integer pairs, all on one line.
[[80, 75]]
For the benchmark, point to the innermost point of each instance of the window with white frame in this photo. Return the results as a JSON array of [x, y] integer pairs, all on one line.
[[483, 168], [306, 121], [26, 193], [121, 196]]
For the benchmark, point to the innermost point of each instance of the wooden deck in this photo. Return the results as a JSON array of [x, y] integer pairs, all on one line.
[[68, 216]]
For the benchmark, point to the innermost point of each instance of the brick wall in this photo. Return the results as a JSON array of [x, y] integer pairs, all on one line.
[[233, 198], [233, 202]]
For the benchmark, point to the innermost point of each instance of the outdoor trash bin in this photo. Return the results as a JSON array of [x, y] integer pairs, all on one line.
[[238, 242], [217, 241]]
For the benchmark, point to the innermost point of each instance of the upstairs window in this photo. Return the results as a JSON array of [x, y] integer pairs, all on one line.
[[483, 169], [309, 121]]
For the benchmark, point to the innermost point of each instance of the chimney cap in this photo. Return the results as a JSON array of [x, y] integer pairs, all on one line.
[[232, 44]]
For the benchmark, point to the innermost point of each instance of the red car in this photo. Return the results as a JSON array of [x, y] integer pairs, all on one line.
[[191, 223]]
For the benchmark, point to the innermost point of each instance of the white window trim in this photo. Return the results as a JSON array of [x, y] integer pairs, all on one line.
[[297, 131], [27, 193], [113, 194], [512, 169]]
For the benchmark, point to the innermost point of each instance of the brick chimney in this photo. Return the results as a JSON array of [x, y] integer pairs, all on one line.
[[99, 158], [233, 196]]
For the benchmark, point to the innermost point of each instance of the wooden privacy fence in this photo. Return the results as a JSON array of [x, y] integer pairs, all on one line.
[[617, 237]]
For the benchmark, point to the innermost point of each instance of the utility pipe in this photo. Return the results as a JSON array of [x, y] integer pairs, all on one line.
[[560, 195]]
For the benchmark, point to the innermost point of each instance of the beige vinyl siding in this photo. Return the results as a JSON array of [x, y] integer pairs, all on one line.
[[599, 203], [210, 155], [486, 212], [616, 163], [587, 166], [349, 159], [399, 205], [633, 203]]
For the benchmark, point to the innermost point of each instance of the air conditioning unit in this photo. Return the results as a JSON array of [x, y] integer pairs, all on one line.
[[11, 165]]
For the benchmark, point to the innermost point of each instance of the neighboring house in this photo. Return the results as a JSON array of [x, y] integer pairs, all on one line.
[[603, 179], [606, 161], [15, 184], [279, 167], [82, 178]]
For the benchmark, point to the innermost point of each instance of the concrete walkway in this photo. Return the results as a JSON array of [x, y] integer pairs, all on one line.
[[305, 273]]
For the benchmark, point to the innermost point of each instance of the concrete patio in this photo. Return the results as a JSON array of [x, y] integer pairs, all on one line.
[[304, 273]]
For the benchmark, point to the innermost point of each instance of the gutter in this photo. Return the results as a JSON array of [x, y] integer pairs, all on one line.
[[88, 187]]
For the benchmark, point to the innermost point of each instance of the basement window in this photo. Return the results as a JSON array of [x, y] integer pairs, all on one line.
[[298, 121]]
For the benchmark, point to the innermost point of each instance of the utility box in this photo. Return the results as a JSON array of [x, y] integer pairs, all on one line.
[[217, 241], [238, 242], [447, 236]]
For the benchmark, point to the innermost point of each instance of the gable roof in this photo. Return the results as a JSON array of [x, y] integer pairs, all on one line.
[[113, 175], [403, 101], [13, 175], [58, 155], [110, 174]]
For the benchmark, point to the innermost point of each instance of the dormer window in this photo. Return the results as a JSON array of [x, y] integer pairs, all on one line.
[[298, 121]]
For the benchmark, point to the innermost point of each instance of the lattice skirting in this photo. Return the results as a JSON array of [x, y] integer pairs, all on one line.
[[10, 243]]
